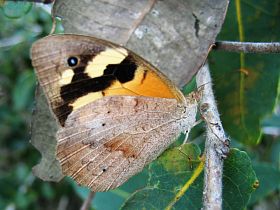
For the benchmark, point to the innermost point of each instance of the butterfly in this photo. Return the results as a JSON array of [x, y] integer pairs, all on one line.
[[116, 112]]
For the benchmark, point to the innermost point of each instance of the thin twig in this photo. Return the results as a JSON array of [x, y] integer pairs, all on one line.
[[87, 203], [248, 47], [63, 203], [216, 145]]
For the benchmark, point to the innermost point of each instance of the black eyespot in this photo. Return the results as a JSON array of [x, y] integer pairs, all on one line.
[[72, 61], [104, 169]]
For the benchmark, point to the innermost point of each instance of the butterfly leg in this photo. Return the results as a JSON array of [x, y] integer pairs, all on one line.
[[188, 131]]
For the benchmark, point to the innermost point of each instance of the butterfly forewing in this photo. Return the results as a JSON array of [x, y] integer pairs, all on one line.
[[75, 70]]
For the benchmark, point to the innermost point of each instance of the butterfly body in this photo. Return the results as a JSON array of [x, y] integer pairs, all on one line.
[[116, 111]]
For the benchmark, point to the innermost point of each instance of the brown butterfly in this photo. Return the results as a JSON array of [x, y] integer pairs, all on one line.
[[116, 111]]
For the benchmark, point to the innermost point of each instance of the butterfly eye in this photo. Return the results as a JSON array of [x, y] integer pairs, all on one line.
[[72, 61]]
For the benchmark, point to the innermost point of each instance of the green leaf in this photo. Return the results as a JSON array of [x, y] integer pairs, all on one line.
[[47, 191], [272, 121], [248, 90], [24, 90], [239, 180], [113, 199], [191, 86], [168, 175], [176, 181], [269, 178], [15, 9], [275, 154]]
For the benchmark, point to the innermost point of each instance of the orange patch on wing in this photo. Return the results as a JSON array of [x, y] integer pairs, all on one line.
[[145, 83]]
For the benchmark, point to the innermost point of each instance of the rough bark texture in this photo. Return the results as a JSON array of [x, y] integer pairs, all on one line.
[[248, 47], [216, 145]]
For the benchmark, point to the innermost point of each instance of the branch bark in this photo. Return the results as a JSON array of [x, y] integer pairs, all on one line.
[[216, 145], [87, 203], [248, 47]]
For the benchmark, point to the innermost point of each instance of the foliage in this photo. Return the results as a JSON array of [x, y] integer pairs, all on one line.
[[166, 178], [243, 100], [246, 98], [19, 189]]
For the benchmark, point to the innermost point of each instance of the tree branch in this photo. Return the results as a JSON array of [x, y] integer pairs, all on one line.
[[216, 145], [87, 202], [248, 47]]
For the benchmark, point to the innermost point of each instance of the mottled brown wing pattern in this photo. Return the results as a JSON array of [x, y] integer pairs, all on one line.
[[108, 141]]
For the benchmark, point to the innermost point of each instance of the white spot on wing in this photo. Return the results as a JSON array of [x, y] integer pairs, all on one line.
[[66, 77]]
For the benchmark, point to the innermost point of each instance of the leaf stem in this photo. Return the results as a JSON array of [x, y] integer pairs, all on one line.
[[242, 62], [186, 186]]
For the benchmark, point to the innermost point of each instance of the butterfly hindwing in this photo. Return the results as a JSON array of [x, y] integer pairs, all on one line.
[[108, 141]]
